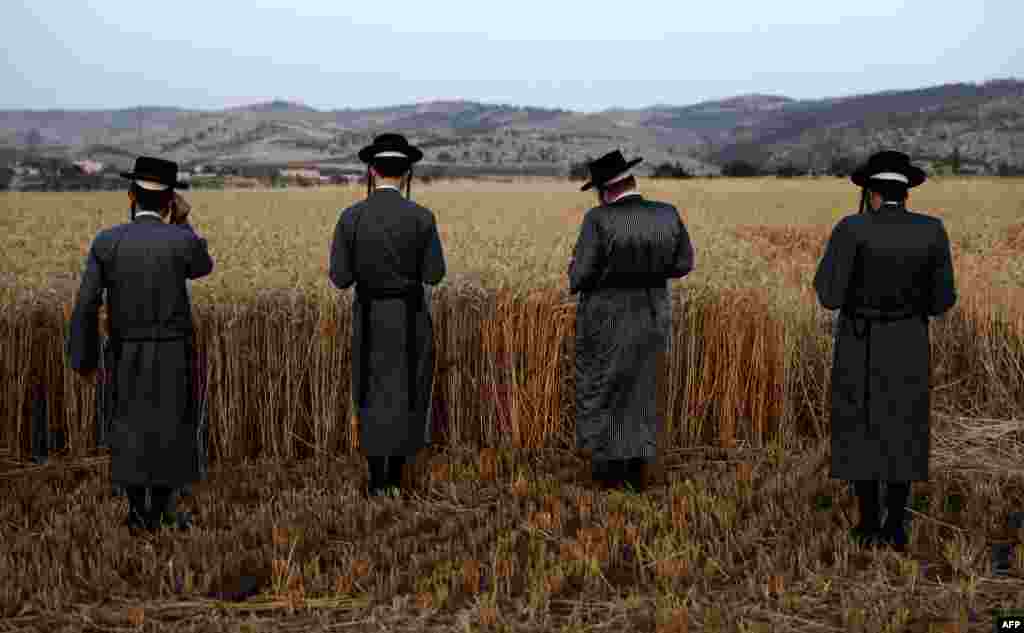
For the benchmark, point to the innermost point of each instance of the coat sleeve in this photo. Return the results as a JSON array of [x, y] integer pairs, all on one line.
[[833, 275], [587, 256], [340, 271], [200, 264], [433, 267], [943, 291], [83, 344], [682, 263]]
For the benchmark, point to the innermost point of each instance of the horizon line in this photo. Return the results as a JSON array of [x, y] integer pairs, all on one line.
[[433, 101]]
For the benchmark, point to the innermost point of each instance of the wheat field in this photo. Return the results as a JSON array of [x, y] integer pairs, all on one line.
[[744, 531]]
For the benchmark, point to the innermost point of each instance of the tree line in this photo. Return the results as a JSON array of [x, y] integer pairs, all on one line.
[[840, 166], [59, 175]]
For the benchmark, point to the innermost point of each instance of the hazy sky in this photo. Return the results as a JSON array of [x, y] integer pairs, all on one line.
[[553, 53]]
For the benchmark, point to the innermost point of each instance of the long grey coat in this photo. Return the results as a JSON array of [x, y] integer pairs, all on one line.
[[888, 264], [143, 266], [397, 244], [623, 248]]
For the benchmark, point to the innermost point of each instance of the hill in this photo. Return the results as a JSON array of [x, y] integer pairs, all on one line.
[[275, 107], [981, 122]]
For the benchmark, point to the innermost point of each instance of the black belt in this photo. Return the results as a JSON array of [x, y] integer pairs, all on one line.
[[149, 339], [881, 316], [864, 317], [413, 297], [148, 334]]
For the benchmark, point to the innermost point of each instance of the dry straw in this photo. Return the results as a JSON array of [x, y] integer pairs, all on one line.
[[748, 362], [271, 370], [488, 464], [471, 571]]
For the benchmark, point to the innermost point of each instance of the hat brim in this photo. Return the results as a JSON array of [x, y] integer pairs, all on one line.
[[130, 175], [915, 175], [629, 165], [412, 154]]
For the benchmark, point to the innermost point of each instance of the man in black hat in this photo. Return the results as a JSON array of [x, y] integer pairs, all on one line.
[[143, 266], [388, 246], [628, 248], [887, 270]]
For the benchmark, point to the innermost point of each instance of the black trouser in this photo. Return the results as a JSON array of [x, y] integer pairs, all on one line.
[[896, 495], [385, 471], [615, 472], [162, 504]]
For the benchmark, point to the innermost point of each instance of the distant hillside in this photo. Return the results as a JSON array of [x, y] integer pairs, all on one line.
[[912, 120], [983, 123], [710, 122], [447, 115], [274, 107], [69, 127]]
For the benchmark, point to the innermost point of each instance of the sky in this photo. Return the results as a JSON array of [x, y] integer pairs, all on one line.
[[334, 54]]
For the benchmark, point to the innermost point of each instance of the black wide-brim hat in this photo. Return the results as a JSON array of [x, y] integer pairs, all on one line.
[[889, 166], [157, 171], [608, 168], [390, 146]]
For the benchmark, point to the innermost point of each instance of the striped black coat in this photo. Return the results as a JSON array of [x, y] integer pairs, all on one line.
[[887, 272], [626, 252]]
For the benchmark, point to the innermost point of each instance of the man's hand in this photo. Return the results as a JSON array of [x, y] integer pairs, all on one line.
[[181, 210]]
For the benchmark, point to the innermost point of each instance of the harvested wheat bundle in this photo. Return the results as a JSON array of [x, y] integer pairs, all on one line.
[[275, 371]]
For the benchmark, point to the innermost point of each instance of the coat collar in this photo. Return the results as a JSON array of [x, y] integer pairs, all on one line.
[[635, 195], [890, 207], [389, 194]]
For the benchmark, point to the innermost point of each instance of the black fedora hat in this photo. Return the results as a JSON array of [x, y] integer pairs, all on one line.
[[608, 168], [390, 146], [155, 174], [889, 166]]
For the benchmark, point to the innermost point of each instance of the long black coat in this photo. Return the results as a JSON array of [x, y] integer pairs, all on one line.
[[623, 249], [381, 243], [887, 264], [143, 266]]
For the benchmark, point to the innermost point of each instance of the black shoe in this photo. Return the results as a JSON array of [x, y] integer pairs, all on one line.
[[135, 523], [631, 482], [377, 484], [635, 475], [893, 533], [383, 492], [185, 522], [866, 533], [396, 464], [601, 473], [611, 473], [180, 521], [894, 537], [865, 536], [375, 487]]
